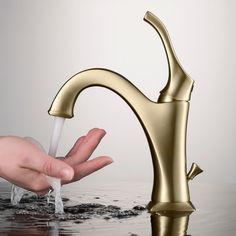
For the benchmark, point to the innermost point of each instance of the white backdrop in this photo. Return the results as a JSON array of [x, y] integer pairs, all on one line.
[[43, 43]]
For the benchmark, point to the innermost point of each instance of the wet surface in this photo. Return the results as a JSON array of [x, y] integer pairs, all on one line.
[[34, 216], [35, 206], [116, 209]]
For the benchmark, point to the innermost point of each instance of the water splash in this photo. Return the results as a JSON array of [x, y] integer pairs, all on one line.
[[54, 182], [16, 194]]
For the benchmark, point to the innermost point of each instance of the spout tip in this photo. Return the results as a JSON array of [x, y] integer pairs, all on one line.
[[147, 16], [60, 114]]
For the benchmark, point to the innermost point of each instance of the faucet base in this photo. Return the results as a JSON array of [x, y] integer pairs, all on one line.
[[165, 207]]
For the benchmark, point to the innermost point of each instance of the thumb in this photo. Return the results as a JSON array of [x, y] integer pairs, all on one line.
[[48, 165], [55, 168]]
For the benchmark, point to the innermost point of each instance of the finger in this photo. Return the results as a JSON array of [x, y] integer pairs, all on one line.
[[48, 165], [86, 148], [78, 143], [76, 146], [92, 131], [91, 166]]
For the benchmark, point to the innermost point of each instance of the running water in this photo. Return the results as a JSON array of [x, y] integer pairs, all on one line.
[[56, 183]]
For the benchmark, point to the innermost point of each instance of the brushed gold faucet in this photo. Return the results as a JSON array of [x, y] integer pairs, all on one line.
[[164, 122]]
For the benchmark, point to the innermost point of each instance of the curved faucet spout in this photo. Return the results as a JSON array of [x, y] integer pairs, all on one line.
[[63, 104]]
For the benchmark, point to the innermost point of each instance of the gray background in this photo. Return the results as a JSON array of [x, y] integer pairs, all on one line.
[[43, 43]]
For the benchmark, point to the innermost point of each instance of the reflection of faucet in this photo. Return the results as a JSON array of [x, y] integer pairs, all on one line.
[[164, 122], [169, 225]]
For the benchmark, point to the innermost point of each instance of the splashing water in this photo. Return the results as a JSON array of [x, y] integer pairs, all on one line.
[[54, 182], [16, 194]]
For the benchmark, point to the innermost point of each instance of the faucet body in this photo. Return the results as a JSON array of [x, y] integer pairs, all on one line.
[[164, 123]]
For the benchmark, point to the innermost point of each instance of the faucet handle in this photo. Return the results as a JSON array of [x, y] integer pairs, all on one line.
[[194, 171], [179, 85]]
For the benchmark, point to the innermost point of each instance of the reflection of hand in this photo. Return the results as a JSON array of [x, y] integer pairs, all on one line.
[[25, 165]]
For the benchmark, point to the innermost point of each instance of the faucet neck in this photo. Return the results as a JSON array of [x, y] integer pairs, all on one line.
[[63, 103]]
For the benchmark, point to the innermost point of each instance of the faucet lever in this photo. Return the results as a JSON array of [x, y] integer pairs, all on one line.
[[179, 85], [194, 171]]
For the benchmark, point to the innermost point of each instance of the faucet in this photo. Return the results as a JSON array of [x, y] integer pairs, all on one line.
[[164, 122]]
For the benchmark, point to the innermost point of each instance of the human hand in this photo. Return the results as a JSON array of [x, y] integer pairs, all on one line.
[[25, 165]]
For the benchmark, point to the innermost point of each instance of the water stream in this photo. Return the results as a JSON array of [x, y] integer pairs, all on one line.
[[56, 183]]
